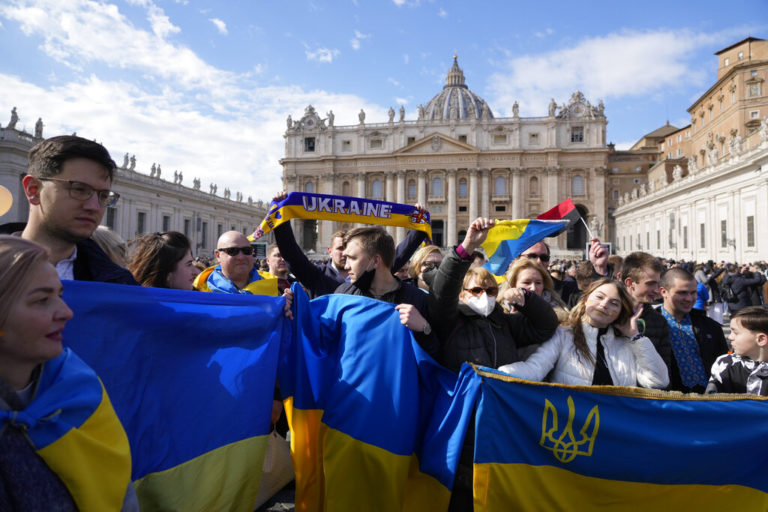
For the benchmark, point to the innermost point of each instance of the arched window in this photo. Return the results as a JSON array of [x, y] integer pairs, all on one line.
[[411, 188], [500, 186], [376, 191], [437, 186], [462, 188], [345, 188], [309, 187], [577, 186], [533, 186]]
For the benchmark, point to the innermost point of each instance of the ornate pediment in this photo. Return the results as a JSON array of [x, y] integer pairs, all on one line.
[[436, 143], [309, 122], [579, 108]]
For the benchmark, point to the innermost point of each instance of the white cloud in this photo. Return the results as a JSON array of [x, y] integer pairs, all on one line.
[[220, 25], [355, 41], [393, 81], [544, 33], [406, 58], [322, 54], [143, 95], [161, 24], [401, 101], [442, 13], [616, 65], [399, 3]]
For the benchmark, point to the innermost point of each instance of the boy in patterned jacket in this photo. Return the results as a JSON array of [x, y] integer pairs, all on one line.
[[746, 369]]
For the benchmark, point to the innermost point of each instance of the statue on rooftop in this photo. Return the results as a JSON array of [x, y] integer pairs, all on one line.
[[402, 113], [391, 114], [39, 128], [361, 116], [14, 119]]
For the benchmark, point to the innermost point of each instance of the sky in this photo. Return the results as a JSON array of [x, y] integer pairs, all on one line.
[[205, 87]]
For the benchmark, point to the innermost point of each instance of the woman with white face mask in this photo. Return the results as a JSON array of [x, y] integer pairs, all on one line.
[[472, 326]]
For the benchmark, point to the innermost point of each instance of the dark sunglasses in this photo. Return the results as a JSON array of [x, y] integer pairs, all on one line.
[[234, 251], [541, 257], [429, 265], [478, 290]]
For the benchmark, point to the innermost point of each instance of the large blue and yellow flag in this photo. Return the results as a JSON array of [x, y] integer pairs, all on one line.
[[304, 205], [192, 377], [556, 447], [507, 239], [376, 424], [72, 426]]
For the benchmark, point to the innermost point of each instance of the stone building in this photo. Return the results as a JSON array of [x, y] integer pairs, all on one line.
[[707, 196], [155, 201], [458, 159]]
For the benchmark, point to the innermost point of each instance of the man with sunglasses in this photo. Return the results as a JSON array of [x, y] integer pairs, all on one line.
[[235, 272], [68, 186]]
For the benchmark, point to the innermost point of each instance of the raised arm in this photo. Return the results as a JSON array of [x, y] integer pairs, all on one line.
[[408, 246]]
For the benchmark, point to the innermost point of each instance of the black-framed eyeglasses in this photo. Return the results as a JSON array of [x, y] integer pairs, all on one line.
[[83, 191], [426, 266], [544, 258], [478, 290], [234, 251]]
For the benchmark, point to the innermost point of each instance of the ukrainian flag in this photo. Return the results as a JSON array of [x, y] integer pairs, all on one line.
[[376, 424], [544, 446], [507, 239], [191, 376], [72, 426]]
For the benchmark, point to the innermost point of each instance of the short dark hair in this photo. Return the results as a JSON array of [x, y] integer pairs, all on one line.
[[668, 278], [47, 157], [156, 257], [635, 262], [374, 240], [753, 318]]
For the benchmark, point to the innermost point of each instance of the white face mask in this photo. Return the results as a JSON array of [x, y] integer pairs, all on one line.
[[482, 305]]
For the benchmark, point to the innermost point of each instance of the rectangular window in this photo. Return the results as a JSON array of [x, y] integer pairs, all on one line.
[[499, 139], [346, 145], [141, 223], [685, 237], [727, 61], [187, 226], [754, 90], [111, 215], [376, 143], [577, 134], [750, 231], [309, 144], [533, 138], [501, 208], [219, 230], [463, 138], [462, 208], [166, 222], [204, 236], [723, 233], [755, 114], [411, 190], [702, 236], [410, 140]]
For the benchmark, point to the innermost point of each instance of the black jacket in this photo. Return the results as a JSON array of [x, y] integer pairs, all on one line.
[[742, 286], [657, 330], [488, 341], [404, 294], [91, 263], [322, 281], [711, 341]]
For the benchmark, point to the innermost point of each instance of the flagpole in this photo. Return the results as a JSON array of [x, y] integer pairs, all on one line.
[[591, 236]]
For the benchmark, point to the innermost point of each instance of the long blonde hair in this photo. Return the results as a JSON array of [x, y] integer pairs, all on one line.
[[18, 258], [576, 317]]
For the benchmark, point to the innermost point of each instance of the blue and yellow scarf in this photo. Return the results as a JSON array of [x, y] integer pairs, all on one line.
[[259, 282]]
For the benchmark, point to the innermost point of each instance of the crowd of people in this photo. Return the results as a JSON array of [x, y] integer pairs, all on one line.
[[637, 321]]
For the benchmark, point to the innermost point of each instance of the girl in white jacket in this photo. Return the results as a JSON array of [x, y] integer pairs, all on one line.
[[598, 344]]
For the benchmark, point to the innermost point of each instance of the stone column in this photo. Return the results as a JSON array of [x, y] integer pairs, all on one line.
[[473, 195], [421, 186], [400, 232], [518, 195], [361, 185], [485, 193], [451, 229], [389, 195]]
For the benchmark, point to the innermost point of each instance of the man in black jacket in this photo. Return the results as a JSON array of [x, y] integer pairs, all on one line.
[[368, 253], [68, 186], [697, 340], [641, 273]]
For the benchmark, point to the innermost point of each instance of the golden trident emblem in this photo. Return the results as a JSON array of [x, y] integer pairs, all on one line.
[[565, 446]]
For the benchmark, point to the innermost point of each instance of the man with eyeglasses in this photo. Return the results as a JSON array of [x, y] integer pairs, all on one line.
[[235, 272], [68, 186]]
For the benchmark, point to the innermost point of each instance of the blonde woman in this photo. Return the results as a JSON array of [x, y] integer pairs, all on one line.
[[424, 260], [599, 344], [530, 275]]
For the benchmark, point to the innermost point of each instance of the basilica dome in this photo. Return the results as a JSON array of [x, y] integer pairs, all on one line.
[[456, 101]]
